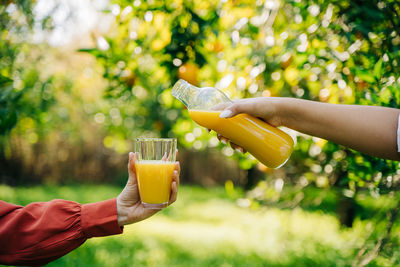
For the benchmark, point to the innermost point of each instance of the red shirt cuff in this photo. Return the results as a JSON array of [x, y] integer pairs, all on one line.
[[100, 219]]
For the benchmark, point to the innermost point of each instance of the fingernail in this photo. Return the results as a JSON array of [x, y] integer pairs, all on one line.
[[225, 114], [130, 154]]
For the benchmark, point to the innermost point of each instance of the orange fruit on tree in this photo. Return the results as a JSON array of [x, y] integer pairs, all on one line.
[[291, 76], [158, 125], [218, 47], [359, 35], [286, 61], [128, 77], [189, 72], [361, 85]]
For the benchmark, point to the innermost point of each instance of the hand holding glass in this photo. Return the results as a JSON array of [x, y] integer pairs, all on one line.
[[154, 169]]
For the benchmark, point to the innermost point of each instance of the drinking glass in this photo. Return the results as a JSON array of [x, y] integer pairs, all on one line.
[[155, 164]]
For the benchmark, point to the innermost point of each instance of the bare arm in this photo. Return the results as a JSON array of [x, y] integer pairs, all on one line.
[[368, 129]]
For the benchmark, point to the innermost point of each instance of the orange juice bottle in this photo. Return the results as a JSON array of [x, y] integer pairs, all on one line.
[[270, 145]]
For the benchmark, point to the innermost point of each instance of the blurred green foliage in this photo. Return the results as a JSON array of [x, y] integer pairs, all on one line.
[[45, 135], [13, 91]]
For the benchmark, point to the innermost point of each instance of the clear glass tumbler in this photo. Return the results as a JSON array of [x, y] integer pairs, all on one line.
[[155, 164]]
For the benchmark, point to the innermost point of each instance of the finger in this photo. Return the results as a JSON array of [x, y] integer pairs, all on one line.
[[237, 147], [223, 139], [221, 106], [137, 156], [132, 166], [229, 112], [178, 170], [174, 186], [171, 153], [239, 106], [174, 193]]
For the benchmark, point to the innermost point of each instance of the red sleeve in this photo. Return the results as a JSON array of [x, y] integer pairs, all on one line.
[[44, 231]]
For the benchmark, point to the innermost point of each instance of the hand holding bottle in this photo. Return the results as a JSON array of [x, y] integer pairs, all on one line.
[[269, 145], [265, 108]]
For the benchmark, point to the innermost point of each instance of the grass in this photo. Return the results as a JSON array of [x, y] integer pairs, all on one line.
[[206, 228]]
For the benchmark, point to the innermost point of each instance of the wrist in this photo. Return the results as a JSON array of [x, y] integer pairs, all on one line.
[[122, 213], [277, 110], [284, 110]]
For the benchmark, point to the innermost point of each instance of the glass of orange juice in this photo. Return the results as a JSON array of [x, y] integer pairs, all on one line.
[[155, 164]]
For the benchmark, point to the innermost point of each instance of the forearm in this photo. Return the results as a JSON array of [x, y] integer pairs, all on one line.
[[368, 129]]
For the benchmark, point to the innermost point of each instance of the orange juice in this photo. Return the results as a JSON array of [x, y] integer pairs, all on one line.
[[268, 144], [154, 179]]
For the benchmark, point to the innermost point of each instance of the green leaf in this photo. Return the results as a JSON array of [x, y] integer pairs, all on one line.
[[365, 75], [6, 93], [378, 69], [4, 80], [8, 122], [93, 51]]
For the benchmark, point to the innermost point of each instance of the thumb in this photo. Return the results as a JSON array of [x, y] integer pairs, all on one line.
[[233, 110], [131, 165]]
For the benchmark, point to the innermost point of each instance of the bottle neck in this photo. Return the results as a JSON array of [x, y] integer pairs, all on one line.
[[206, 98], [184, 92]]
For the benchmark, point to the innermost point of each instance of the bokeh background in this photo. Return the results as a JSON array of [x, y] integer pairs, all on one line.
[[79, 80]]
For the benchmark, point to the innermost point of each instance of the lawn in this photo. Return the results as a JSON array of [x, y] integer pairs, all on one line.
[[206, 228]]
